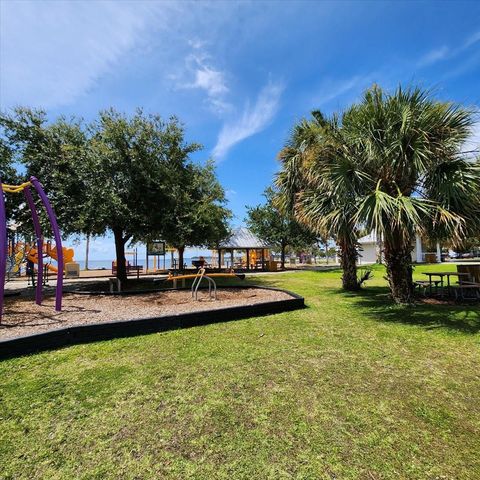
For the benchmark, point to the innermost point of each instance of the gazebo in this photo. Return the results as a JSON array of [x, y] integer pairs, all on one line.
[[243, 239]]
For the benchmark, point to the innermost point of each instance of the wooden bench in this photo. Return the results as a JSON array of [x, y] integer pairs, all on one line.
[[462, 287], [423, 285]]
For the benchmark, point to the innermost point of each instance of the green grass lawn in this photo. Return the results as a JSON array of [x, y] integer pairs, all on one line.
[[351, 387]]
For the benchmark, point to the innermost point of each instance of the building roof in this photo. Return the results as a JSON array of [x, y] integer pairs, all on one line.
[[370, 238], [243, 238]]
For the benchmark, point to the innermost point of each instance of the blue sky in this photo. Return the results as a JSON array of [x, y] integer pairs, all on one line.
[[238, 74]]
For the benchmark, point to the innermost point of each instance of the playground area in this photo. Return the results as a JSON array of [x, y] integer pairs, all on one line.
[[24, 317], [30, 305], [35, 307]]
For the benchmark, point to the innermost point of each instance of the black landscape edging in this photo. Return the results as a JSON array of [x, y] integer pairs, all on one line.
[[18, 346]]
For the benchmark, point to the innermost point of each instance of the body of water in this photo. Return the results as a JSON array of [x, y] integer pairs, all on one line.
[[107, 264]]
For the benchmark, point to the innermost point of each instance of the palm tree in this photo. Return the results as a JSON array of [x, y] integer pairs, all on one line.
[[318, 182], [415, 180]]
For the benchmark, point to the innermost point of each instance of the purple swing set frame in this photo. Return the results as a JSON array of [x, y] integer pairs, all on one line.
[[38, 233]]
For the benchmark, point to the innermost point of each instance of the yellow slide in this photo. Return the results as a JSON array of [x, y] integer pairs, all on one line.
[[18, 262], [68, 254]]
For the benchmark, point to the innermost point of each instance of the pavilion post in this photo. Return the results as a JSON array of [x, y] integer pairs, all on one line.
[[263, 259], [248, 258], [418, 244], [219, 258], [231, 258]]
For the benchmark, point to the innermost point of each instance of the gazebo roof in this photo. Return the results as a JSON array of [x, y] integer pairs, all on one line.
[[242, 238]]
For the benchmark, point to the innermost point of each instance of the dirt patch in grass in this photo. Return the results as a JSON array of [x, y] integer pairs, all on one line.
[[23, 317], [446, 301]]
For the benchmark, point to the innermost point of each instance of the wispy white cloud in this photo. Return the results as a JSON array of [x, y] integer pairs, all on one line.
[[472, 39], [463, 67], [212, 81], [197, 43], [330, 90], [443, 53], [200, 73], [433, 56], [53, 52], [348, 89], [253, 120], [230, 193]]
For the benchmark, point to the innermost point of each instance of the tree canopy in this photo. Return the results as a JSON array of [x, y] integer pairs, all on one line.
[[392, 163], [127, 175], [199, 216], [415, 179], [54, 153], [317, 186]]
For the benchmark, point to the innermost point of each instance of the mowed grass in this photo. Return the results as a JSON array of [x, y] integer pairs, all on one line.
[[351, 387]]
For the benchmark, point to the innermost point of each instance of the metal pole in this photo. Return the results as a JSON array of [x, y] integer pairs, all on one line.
[[87, 251], [3, 248], [146, 258], [58, 240], [38, 234]]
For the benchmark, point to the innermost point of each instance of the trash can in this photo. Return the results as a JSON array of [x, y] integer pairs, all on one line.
[[272, 266]]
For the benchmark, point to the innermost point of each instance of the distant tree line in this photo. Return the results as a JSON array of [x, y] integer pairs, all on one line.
[[131, 176]]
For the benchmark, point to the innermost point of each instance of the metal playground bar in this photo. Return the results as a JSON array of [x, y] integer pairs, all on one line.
[[25, 188]]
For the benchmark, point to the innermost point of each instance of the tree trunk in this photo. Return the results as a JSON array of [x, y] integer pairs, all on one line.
[[181, 251], [282, 258], [120, 253], [398, 261], [379, 249], [348, 262]]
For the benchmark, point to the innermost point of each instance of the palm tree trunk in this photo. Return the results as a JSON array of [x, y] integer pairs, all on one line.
[[348, 262], [398, 261], [379, 249], [282, 258]]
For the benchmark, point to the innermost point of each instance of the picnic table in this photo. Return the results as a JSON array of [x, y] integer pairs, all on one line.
[[442, 275]]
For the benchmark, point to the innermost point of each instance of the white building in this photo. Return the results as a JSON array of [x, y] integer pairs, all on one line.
[[369, 246]]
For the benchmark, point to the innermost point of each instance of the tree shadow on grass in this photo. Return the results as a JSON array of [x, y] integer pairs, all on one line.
[[378, 305]]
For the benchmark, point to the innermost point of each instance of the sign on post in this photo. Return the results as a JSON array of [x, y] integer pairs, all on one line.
[[156, 248]]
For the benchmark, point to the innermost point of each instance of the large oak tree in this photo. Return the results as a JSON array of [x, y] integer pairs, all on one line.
[[127, 175]]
